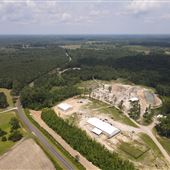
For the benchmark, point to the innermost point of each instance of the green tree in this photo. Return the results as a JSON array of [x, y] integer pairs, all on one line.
[[4, 139], [15, 136], [14, 123], [3, 100], [2, 133]]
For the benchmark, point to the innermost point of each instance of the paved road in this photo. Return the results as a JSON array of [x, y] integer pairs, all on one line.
[[42, 139]]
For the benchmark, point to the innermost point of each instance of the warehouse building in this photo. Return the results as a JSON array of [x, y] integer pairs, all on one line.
[[102, 127], [64, 107]]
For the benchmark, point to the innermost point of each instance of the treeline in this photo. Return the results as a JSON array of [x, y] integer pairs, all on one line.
[[89, 148], [163, 128], [3, 100], [40, 97], [20, 66], [150, 70]]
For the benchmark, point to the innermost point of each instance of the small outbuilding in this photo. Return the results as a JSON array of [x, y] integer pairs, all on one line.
[[96, 131], [64, 107], [134, 99]]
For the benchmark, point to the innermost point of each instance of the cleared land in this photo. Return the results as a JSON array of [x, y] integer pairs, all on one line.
[[28, 155], [116, 93], [129, 143]]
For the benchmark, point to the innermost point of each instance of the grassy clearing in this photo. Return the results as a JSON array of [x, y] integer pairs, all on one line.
[[165, 142], [115, 114], [8, 95], [133, 149], [151, 144], [4, 125], [56, 145]]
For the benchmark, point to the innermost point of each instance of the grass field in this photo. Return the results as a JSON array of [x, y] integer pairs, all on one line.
[[165, 142], [151, 144], [4, 125], [8, 95], [116, 114], [133, 149]]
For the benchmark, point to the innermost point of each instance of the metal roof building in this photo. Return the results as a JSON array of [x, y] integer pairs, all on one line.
[[101, 126], [64, 106], [134, 99]]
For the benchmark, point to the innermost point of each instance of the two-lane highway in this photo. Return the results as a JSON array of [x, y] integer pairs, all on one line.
[[41, 138]]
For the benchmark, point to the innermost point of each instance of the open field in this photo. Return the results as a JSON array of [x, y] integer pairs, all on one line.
[[8, 95], [165, 142], [4, 125], [115, 114], [143, 152], [28, 155], [72, 46], [134, 149]]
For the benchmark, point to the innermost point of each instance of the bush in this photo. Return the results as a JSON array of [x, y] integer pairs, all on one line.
[[4, 139], [2, 133], [15, 136]]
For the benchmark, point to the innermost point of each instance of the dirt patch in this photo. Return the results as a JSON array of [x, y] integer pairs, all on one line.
[[26, 155], [76, 104]]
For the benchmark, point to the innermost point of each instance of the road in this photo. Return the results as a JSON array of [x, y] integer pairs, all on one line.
[[41, 138]]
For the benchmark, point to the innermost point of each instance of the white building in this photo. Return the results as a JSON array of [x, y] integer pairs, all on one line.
[[64, 107], [102, 127], [134, 99]]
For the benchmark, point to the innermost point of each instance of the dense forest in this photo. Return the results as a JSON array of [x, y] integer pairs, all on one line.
[[19, 66], [78, 139]]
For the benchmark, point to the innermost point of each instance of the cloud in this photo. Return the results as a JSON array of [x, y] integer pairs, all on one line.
[[49, 12], [142, 7], [66, 17]]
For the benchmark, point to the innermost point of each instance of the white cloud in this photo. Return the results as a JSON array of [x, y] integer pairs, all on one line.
[[50, 12], [140, 7], [66, 17]]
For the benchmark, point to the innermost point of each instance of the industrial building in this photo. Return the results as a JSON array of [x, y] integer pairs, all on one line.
[[102, 127], [64, 107]]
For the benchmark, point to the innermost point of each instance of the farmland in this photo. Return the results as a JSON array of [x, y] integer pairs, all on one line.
[[30, 152]]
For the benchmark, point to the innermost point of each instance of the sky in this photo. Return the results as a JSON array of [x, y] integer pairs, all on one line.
[[84, 16]]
